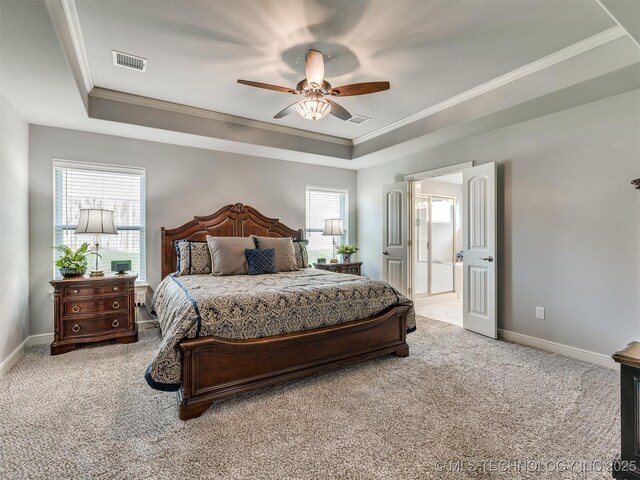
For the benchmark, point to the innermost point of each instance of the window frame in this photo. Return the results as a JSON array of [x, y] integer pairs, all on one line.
[[343, 239], [108, 168]]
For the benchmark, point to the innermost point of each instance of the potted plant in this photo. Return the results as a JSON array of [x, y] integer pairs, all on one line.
[[72, 263], [346, 251]]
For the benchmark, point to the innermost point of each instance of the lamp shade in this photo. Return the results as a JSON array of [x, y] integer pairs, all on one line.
[[313, 107], [333, 226], [95, 220]]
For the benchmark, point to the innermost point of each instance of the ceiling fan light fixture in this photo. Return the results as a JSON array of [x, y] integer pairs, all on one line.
[[314, 107]]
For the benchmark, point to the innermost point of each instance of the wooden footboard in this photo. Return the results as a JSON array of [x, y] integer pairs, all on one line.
[[214, 368]]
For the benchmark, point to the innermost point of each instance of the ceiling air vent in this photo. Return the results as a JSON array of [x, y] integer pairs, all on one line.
[[358, 119], [129, 61]]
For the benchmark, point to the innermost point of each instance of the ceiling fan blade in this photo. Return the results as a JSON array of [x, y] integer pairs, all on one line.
[[315, 68], [268, 86], [360, 89], [283, 113], [339, 111]]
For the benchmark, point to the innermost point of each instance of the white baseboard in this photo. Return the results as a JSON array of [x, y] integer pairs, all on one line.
[[32, 340], [13, 357], [152, 320], [573, 352], [41, 339]]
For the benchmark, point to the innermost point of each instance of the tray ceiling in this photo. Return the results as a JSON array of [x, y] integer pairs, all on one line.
[[429, 51]]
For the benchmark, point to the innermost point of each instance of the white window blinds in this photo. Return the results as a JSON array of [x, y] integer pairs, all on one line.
[[323, 203], [80, 185]]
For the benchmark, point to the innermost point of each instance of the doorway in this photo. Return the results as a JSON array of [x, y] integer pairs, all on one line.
[[437, 248], [475, 263]]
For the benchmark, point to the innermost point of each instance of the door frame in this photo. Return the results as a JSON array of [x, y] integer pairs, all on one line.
[[411, 179]]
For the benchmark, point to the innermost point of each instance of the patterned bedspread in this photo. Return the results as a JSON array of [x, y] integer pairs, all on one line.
[[254, 306]]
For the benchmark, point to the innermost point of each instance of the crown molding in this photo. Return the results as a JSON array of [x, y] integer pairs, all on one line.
[[559, 56], [620, 24], [533, 67], [73, 23], [106, 94]]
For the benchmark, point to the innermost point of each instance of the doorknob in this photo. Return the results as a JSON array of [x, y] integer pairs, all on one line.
[[488, 259], [385, 253]]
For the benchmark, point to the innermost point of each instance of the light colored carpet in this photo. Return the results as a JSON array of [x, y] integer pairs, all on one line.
[[459, 397]]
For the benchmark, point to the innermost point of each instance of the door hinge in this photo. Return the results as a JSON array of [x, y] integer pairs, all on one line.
[[409, 243], [409, 290]]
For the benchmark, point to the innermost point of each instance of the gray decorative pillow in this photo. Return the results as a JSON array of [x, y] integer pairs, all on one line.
[[193, 258], [285, 253], [227, 254], [302, 256]]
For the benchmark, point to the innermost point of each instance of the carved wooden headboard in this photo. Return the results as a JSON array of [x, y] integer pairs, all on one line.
[[230, 221]]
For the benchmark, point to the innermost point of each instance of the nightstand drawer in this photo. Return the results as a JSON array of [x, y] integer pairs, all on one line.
[[80, 291], [352, 270], [113, 304], [92, 326]]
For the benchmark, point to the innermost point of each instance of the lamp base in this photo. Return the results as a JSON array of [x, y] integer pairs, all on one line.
[[96, 273], [333, 260]]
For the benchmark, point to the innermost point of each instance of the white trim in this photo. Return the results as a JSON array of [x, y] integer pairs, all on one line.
[[326, 189], [98, 167], [142, 322], [567, 350], [73, 23], [33, 340], [130, 99], [40, 339], [619, 24], [13, 357], [533, 67], [438, 172]]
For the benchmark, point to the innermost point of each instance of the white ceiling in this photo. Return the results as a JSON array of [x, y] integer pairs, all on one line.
[[197, 50], [428, 50]]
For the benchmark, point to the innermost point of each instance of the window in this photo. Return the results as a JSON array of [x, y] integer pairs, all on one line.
[[80, 185], [323, 203]]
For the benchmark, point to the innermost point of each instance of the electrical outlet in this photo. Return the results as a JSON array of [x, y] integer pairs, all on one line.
[[141, 299], [540, 313]]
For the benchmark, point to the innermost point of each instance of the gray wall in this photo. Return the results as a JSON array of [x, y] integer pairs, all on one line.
[[568, 226], [14, 229], [181, 182]]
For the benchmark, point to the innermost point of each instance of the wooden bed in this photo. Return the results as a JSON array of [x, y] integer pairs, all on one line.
[[215, 368]]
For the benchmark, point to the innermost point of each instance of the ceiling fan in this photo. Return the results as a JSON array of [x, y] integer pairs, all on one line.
[[314, 106]]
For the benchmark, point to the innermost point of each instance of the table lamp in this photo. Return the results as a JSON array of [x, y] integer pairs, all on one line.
[[98, 222], [333, 227]]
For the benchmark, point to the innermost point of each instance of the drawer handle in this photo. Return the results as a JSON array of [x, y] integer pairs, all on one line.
[[115, 289], [115, 323], [76, 291], [115, 305], [75, 328], [75, 309]]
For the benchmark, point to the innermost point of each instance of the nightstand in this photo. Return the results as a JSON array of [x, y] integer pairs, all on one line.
[[88, 310], [627, 465], [353, 267]]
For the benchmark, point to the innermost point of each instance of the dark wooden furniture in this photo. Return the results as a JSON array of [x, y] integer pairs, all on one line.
[[353, 267], [214, 368], [88, 310], [627, 466]]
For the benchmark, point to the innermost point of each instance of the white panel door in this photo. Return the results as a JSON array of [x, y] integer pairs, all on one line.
[[394, 236], [479, 233]]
